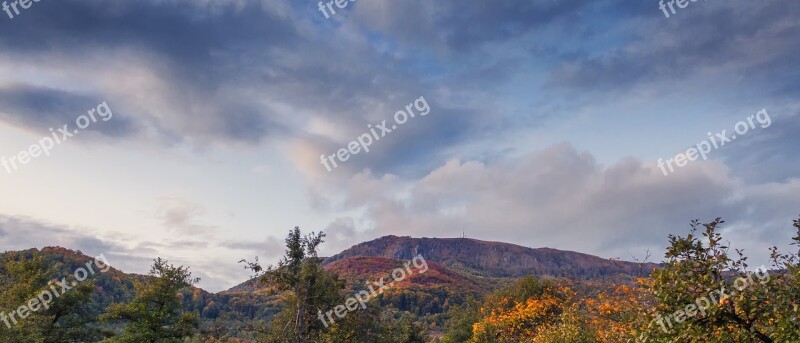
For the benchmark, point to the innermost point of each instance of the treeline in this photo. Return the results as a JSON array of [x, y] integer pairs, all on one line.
[[24, 274], [702, 292], [58, 299]]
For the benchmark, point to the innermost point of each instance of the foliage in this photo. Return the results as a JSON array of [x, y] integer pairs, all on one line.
[[521, 313], [757, 305], [156, 312], [460, 319], [310, 290], [68, 318], [700, 294], [742, 304]]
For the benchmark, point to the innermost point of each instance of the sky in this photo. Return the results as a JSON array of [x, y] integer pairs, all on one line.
[[540, 123]]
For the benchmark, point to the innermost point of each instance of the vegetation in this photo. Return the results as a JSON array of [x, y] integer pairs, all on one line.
[[702, 292], [310, 291], [66, 318], [155, 314]]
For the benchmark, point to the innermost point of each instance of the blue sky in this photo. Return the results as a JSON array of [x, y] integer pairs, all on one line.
[[547, 119]]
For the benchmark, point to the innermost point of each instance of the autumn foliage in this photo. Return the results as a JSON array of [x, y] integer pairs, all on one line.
[[668, 306]]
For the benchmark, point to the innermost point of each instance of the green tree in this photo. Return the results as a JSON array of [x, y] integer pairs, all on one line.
[[156, 312], [68, 317], [738, 304], [22, 278], [404, 328], [358, 326], [460, 319], [309, 290]]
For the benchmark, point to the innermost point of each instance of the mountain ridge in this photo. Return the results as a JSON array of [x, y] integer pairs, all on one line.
[[495, 259]]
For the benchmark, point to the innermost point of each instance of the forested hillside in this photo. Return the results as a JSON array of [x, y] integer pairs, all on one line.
[[393, 290]]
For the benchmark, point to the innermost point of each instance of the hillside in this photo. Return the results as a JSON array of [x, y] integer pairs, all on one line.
[[495, 259], [115, 286], [457, 269], [371, 268]]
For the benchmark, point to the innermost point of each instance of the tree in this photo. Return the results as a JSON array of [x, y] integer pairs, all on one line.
[[156, 313], [704, 295], [460, 319], [785, 292], [309, 289], [72, 317], [616, 312], [22, 277], [68, 317], [526, 312]]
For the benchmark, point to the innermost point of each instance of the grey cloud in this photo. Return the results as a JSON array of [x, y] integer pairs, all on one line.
[[340, 235], [20, 233], [250, 71], [41, 108], [756, 40], [462, 26], [769, 154], [413, 148], [474, 23], [195, 50], [25, 233], [247, 125]]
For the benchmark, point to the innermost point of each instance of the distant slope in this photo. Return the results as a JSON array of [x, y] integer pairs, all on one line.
[[421, 293], [495, 259], [372, 268], [115, 286]]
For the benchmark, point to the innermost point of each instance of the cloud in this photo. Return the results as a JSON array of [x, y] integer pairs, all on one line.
[[340, 234], [247, 73], [191, 52], [271, 247], [562, 198], [131, 255], [19, 233], [239, 73], [22, 233], [461, 26], [40, 108], [753, 40], [771, 154], [181, 216]]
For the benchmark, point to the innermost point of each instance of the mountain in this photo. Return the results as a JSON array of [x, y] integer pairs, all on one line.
[[455, 269], [495, 259], [115, 286]]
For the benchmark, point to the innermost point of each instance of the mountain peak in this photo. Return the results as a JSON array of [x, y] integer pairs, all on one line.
[[495, 259]]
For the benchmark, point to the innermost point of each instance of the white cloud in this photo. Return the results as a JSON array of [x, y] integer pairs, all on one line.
[[562, 198]]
